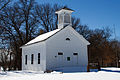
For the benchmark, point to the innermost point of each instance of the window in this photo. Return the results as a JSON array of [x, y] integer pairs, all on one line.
[[32, 57], [38, 58], [60, 53], [68, 58], [68, 39], [75, 54], [67, 18], [26, 59]]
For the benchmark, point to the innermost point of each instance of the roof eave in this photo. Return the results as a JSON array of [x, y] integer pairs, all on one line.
[[63, 10], [32, 43]]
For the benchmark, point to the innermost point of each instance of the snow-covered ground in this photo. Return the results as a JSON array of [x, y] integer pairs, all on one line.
[[104, 74]]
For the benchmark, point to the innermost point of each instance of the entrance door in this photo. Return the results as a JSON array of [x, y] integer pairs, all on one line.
[[75, 59], [60, 59]]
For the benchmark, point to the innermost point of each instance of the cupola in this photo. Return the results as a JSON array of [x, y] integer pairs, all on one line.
[[64, 17]]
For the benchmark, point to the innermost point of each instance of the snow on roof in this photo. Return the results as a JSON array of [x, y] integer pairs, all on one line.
[[43, 37]]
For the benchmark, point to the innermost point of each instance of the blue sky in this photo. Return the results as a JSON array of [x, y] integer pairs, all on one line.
[[94, 13]]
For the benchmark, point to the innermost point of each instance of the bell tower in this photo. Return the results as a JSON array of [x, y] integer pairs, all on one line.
[[64, 17]]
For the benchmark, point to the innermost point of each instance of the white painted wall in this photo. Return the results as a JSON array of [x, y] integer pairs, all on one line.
[[58, 43], [34, 49], [50, 48]]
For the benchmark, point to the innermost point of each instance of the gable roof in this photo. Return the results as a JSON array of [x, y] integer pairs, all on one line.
[[80, 36], [43, 37], [47, 35]]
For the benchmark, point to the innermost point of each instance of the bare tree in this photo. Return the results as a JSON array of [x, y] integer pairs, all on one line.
[[46, 16], [3, 3], [101, 48], [5, 57], [116, 49], [20, 25]]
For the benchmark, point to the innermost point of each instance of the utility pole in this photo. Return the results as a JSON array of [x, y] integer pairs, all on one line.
[[117, 61]]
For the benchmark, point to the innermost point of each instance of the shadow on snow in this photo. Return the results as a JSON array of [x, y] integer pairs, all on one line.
[[110, 70]]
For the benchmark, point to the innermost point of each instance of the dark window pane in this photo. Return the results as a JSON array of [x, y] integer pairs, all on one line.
[[32, 57], [67, 18], [59, 53], [26, 59], [68, 58], [75, 53], [38, 58]]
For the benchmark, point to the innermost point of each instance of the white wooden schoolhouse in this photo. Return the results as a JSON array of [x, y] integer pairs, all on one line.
[[63, 47]]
